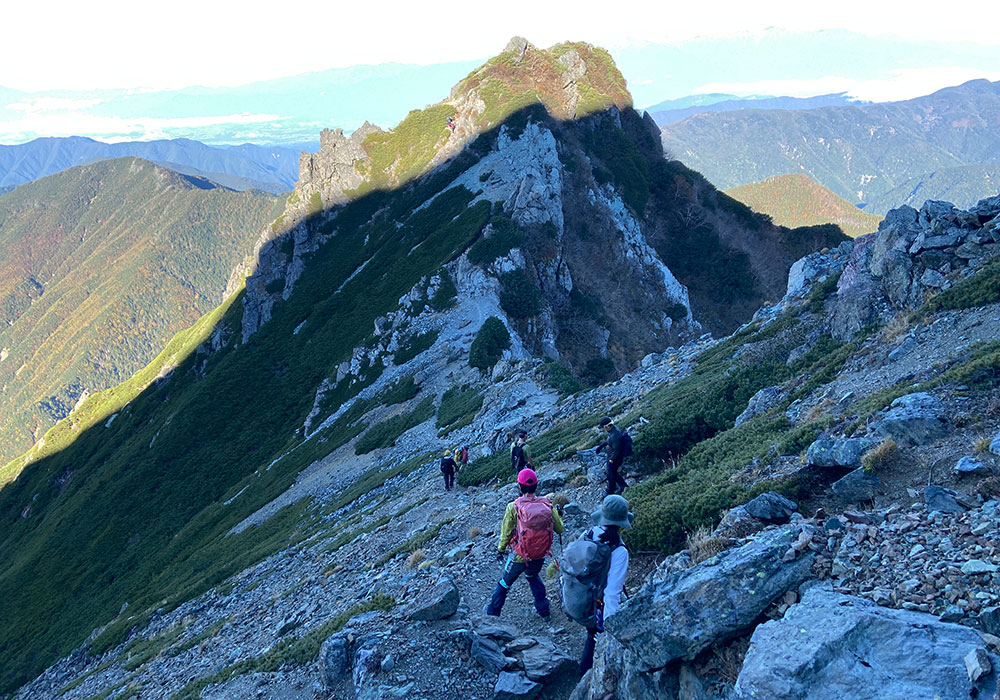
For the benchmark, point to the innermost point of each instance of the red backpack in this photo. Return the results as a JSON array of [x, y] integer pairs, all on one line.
[[533, 530]]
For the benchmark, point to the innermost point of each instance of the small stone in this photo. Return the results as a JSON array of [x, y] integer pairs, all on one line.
[[977, 566], [388, 663], [968, 465], [977, 664]]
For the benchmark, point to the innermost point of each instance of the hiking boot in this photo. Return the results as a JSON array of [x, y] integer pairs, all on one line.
[[546, 618], [486, 611]]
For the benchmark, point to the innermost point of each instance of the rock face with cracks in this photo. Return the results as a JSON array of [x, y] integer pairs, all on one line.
[[837, 647], [685, 612]]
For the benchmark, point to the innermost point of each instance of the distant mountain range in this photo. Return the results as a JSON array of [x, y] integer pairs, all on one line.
[[797, 200], [99, 266], [671, 111], [915, 149], [269, 168]]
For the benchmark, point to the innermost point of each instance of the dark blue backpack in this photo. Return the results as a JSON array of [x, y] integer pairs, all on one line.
[[626, 445]]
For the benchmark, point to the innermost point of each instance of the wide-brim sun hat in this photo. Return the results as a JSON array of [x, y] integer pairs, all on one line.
[[613, 511]]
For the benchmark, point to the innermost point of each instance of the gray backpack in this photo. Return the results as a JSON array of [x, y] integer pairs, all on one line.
[[584, 574]]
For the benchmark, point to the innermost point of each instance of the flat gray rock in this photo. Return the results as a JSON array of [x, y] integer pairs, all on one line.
[[515, 686], [837, 647]]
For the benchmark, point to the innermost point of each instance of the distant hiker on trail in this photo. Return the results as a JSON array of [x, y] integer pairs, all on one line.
[[529, 524], [593, 572], [519, 457], [448, 468], [619, 446], [463, 456], [451, 123]]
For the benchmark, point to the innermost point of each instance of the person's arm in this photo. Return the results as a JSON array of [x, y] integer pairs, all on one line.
[[616, 581], [557, 522], [507, 527]]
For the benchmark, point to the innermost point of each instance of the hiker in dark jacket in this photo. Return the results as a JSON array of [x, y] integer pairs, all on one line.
[[448, 468], [519, 457], [615, 456], [609, 521], [516, 535]]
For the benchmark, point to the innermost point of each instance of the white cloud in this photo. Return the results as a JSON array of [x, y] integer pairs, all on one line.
[[903, 84], [112, 129], [40, 105], [114, 43]]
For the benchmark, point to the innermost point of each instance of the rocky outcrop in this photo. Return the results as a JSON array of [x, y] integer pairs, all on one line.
[[837, 647], [913, 254], [685, 612], [838, 452], [914, 419]]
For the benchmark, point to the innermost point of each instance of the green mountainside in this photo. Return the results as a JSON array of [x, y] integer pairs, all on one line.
[[861, 153], [99, 266], [798, 200], [558, 220]]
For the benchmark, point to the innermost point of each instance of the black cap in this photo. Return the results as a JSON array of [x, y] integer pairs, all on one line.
[[604, 421]]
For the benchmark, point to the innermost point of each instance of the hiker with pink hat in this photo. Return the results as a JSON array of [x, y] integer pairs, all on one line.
[[529, 525]]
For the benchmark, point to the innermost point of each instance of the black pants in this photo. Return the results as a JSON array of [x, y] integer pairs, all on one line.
[[449, 480], [587, 658], [616, 484]]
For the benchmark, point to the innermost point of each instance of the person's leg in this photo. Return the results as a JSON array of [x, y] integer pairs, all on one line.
[[612, 480], [619, 481], [510, 574], [533, 569], [587, 658]]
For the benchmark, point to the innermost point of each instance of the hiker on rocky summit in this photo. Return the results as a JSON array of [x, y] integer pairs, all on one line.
[[593, 572], [617, 445], [528, 526], [448, 468]]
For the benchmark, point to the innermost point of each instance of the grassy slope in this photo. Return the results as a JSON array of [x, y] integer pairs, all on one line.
[[127, 255], [797, 200], [135, 511]]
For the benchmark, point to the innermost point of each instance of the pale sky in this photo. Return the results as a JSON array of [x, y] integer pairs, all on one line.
[[118, 44]]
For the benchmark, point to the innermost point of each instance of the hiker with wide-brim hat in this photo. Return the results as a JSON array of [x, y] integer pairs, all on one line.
[[593, 572]]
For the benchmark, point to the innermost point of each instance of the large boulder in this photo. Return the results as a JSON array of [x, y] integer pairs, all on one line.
[[335, 659], [838, 452], [914, 419], [437, 601], [837, 647], [857, 486], [684, 612], [771, 508]]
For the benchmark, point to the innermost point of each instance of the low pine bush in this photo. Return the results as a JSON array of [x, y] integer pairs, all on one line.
[[490, 342]]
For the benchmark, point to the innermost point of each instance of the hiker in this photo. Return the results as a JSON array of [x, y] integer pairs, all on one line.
[[463, 457], [519, 457], [448, 468], [593, 572], [619, 446], [451, 123], [528, 526]]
